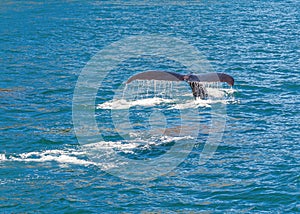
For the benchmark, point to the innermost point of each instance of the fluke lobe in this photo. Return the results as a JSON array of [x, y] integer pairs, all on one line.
[[195, 81]]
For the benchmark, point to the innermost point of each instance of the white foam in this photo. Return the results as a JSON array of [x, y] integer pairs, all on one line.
[[108, 145], [216, 95], [169, 139], [215, 92], [60, 156], [125, 104], [229, 90], [3, 157], [128, 147], [185, 104], [66, 157], [191, 104]]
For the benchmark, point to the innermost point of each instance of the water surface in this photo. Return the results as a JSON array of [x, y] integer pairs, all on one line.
[[44, 47]]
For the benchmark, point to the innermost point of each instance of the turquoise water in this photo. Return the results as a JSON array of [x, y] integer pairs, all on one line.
[[46, 45]]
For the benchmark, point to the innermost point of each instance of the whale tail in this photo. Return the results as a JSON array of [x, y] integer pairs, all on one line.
[[198, 89], [195, 81]]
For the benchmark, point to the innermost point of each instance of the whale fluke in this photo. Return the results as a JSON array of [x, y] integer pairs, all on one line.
[[194, 81], [156, 75]]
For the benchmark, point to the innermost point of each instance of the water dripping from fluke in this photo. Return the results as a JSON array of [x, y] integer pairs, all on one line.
[[163, 80]]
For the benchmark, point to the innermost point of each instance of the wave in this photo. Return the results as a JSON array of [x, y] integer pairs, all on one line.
[[79, 156]]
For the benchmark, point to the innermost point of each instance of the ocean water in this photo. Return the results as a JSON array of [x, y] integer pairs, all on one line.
[[254, 167]]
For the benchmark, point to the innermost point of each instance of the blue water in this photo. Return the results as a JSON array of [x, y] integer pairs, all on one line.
[[46, 45]]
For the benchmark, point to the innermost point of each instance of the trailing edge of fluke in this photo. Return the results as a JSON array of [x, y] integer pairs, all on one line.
[[195, 81]]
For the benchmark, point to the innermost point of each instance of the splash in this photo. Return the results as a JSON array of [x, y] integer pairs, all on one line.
[[143, 89], [2, 157], [150, 93], [125, 104]]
